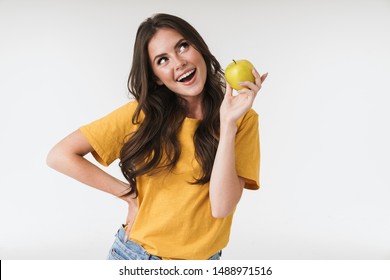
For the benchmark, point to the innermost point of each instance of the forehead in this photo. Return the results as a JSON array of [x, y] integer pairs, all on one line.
[[163, 40]]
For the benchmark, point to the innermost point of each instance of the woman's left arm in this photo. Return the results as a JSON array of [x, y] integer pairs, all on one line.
[[225, 185]]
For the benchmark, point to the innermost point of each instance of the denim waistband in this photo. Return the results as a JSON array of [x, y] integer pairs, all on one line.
[[138, 250]]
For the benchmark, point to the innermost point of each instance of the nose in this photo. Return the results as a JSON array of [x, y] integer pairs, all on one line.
[[180, 63]]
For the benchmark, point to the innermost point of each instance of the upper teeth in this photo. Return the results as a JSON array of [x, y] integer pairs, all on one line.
[[185, 75]]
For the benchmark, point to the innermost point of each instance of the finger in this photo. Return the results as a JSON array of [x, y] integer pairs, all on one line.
[[229, 90], [263, 77], [251, 86], [127, 230], [256, 74], [247, 95], [247, 99], [259, 79]]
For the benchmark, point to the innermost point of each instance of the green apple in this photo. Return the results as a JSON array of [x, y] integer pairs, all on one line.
[[239, 71]]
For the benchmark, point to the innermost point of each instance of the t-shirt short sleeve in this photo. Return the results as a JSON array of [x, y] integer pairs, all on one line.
[[247, 149], [108, 134]]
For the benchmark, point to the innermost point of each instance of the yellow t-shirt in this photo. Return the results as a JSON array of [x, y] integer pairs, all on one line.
[[174, 218]]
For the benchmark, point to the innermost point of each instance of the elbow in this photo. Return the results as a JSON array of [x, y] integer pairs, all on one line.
[[220, 212], [53, 158], [223, 207], [50, 159]]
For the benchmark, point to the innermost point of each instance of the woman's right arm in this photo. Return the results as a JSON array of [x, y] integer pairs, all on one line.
[[67, 157]]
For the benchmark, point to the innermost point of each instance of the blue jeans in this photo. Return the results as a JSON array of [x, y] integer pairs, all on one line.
[[130, 250]]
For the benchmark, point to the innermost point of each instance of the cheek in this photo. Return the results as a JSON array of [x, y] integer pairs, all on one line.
[[161, 77], [202, 62], [204, 69], [165, 74]]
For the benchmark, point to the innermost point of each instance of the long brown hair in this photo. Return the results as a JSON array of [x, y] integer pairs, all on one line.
[[154, 145]]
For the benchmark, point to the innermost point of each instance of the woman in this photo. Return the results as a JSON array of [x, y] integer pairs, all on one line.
[[186, 145]]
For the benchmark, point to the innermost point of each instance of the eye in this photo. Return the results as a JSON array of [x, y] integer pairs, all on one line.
[[162, 60], [183, 46]]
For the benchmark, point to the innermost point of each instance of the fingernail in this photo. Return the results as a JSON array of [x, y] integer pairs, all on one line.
[[240, 83]]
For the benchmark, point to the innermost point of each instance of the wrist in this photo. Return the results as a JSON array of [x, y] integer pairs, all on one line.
[[228, 128], [124, 191], [130, 200]]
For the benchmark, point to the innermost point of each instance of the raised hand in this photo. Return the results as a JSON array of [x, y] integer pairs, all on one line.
[[234, 107]]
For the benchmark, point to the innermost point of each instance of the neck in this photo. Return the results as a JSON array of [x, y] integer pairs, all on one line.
[[195, 108]]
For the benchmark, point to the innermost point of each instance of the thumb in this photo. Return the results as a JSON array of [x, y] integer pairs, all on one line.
[[229, 90]]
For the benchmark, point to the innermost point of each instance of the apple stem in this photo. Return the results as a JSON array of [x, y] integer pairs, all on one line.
[[234, 61]]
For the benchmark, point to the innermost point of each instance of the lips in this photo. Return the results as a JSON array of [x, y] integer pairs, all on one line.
[[187, 76]]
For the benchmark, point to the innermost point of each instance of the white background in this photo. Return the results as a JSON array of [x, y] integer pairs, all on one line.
[[324, 122]]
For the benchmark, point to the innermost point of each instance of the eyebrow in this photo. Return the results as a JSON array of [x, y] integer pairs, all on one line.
[[175, 47]]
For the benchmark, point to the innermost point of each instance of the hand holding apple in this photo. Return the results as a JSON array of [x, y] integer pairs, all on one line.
[[248, 82], [239, 71]]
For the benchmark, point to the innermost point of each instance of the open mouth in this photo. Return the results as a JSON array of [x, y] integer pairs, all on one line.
[[186, 76]]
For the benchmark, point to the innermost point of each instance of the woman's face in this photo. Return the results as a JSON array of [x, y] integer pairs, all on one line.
[[177, 65]]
